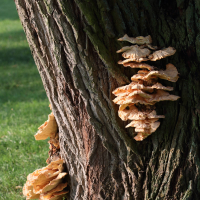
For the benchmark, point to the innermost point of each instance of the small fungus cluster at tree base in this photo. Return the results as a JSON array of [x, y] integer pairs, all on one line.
[[137, 100], [48, 182]]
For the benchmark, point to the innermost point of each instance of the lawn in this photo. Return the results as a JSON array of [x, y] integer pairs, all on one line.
[[24, 107]]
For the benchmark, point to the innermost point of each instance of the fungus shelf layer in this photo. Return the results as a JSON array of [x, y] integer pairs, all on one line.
[[48, 183], [145, 88]]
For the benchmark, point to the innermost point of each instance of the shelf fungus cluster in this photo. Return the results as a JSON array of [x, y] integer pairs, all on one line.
[[48, 183], [137, 100]]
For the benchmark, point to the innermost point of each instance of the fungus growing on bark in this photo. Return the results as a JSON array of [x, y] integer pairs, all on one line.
[[46, 181], [56, 193], [157, 55], [138, 40], [138, 65], [139, 96], [125, 90], [134, 53], [48, 129], [144, 52], [137, 99], [170, 74], [132, 113]]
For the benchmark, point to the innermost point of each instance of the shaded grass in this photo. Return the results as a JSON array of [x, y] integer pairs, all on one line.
[[24, 107]]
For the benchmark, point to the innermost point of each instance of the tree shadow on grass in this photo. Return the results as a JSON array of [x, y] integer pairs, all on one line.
[[13, 36], [8, 10], [10, 56]]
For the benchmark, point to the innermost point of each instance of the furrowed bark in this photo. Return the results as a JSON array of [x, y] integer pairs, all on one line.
[[73, 44]]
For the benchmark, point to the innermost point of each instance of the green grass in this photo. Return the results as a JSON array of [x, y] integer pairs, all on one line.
[[24, 107]]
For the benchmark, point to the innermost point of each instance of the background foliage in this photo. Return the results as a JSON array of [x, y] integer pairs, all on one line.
[[24, 107]]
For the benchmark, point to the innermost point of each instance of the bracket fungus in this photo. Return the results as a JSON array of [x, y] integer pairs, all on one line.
[[134, 53], [48, 182], [137, 99], [48, 129], [138, 40], [144, 51]]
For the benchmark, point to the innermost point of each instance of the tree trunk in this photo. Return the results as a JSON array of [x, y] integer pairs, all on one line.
[[74, 45]]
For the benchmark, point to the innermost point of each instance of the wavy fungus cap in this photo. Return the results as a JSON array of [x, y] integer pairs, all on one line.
[[132, 113], [48, 129], [44, 180], [137, 99], [127, 89], [142, 123], [138, 40], [55, 194], [146, 132], [157, 55], [161, 95], [170, 74], [138, 65], [134, 53]]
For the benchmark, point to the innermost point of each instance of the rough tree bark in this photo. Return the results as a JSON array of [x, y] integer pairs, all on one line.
[[74, 45]]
